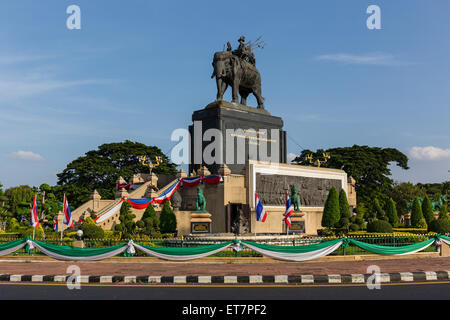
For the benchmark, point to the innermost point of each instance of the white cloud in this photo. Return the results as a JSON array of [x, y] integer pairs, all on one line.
[[291, 156], [429, 153], [385, 59], [26, 155]]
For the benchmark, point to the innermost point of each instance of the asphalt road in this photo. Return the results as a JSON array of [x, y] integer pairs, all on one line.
[[433, 291]]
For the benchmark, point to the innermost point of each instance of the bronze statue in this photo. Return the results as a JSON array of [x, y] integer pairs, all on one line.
[[200, 201], [236, 68]]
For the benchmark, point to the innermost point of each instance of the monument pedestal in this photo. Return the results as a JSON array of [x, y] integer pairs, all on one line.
[[255, 124], [298, 223], [200, 222]]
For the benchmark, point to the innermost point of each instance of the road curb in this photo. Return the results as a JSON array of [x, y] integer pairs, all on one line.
[[325, 279]]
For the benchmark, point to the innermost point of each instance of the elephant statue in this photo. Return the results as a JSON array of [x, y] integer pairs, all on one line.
[[242, 76]]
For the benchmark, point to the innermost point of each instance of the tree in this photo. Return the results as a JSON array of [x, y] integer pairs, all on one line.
[[391, 212], [150, 219], [91, 230], [417, 219], [5, 214], [168, 220], [344, 211], [405, 192], [344, 208], [20, 200], [443, 212], [380, 213], [99, 169], [442, 224], [368, 165], [127, 225], [427, 210], [331, 211]]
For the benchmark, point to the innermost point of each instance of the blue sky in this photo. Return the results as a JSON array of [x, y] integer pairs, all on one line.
[[138, 69]]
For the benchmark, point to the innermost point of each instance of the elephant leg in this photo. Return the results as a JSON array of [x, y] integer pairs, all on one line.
[[259, 98], [235, 91], [244, 96], [220, 90]]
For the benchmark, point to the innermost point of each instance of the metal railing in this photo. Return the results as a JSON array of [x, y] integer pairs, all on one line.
[[394, 241]]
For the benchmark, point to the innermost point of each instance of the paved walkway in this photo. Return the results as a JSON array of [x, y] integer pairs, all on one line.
[[224, 269]]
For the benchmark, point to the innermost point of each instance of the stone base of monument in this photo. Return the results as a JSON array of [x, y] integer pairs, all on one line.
[[240, 126], [200, 222], [297, 223]]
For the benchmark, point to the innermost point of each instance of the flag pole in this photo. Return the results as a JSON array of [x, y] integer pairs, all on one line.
[[61, 224]]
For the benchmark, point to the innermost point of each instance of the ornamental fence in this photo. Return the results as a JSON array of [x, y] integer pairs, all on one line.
[[391, 241]]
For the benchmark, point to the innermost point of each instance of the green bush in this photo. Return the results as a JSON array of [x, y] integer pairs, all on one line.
[[354, 227], [111, 235], [422, 224], [427, 210], [344, 209], [168, 220], [441, 226], [331, 211], [150, 219], [411, 230], [379, 226], [416, 214], [327, 232], [380, 213], [92, 231], [391, 212]]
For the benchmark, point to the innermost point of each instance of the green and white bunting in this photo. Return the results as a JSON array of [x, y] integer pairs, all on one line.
[[185, 253], [444, 239], [295, 253], [397, 251], [287, 253], [13, 246], [78, 254]]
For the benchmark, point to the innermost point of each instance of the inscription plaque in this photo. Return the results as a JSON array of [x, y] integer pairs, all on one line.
[[297, 226], [200, 227], [312, 192]]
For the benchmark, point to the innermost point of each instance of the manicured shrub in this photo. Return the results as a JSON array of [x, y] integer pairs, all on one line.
[[150, 218], [380, 213], [391, 212], [416, 214], [325, 232], [168, 220], [127, 225], [427, 210], [354, 227], [344, 209], [331, 210], [443, 212], [441, 226], [379, 226], [92, 231]]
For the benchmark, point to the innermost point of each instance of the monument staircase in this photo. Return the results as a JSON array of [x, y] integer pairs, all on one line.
[[99, 207]]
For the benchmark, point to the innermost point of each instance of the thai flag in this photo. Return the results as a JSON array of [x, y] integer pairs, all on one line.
[[289, 211], [34, 214], [67, 214], [261, 214], [55, 225]]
